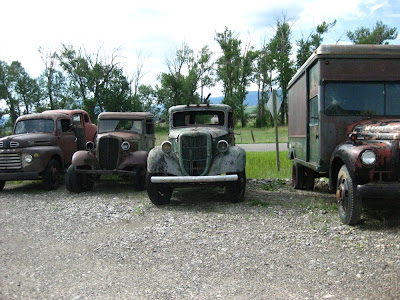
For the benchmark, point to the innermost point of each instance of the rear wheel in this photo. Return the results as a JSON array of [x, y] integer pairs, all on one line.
[[159, 194], [77, 182], [349, 201], [302, 178], [235, 190], [52, 175]]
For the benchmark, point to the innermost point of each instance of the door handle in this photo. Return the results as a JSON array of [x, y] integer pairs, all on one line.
[[317, 136]]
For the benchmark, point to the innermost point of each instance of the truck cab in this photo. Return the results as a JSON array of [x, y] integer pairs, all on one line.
[[344, 121], [40, 147]]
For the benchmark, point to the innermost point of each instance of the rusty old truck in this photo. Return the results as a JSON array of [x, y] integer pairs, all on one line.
[[344, 123], [200, 150], [40, 147], [121, 148]]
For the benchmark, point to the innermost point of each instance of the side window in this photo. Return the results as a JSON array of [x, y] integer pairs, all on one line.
[[149, 126], [63, 125], [86, 118], [77, 118], [314, 115]]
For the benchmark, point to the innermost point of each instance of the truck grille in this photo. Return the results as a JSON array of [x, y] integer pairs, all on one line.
[[10, 161], [194, 154], [108, 153]]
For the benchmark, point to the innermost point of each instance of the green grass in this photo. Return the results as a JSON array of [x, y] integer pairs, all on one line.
[[261, 165], [242, 135]]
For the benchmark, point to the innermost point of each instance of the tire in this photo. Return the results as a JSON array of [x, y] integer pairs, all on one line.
[[349, 201], [76, 182], [297, 176], [139, 179], [2, 183], [159, 194], [235, 190], [52, 175], [302, 177]]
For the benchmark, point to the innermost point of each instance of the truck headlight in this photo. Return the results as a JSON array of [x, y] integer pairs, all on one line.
[[368, 157], [28, 158], [222, 146], [166, 147], [125, 146]]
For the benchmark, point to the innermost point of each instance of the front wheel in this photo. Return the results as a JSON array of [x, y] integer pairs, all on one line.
[[349, 201], [77, 182], [159, 194], [235, 190], [52, 175]]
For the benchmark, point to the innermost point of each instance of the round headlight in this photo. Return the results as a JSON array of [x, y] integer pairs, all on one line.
[[125, 146], [28, 158], [368, 158], [222, 146], [166, 147]]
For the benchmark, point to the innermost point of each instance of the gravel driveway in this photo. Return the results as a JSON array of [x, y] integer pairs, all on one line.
[[112, 243]]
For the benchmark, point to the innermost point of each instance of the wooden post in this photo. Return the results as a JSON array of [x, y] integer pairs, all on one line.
[[276, 129]]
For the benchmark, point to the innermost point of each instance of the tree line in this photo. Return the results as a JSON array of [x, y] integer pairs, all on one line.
[[74, 78]]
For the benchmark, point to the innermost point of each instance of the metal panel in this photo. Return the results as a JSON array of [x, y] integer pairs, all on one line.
[[194, 154], [10, 161], [108, 153]]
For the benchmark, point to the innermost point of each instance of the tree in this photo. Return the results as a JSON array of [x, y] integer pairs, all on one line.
[[281, 50], [6, 91], [264, 79], [312, 42], [187, 73], [235, 68], [95, 79], [379, 34]]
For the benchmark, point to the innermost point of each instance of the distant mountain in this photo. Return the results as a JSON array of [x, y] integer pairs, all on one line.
[[251, 98]]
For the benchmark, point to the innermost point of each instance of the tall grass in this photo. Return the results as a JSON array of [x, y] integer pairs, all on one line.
[[242, 135], [261, 165]]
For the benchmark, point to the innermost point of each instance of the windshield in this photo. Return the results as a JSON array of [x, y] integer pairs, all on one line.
[[194, 118], [120, 125], [362, 98], [34, 125]]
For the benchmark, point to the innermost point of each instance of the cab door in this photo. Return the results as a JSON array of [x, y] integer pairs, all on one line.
[[314, 132], [66, 139]]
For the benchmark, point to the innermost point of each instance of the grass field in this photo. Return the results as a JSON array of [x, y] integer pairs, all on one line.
[[260, 165], [243, 135]]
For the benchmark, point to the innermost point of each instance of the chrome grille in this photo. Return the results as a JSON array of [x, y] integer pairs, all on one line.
[[10, 161], [108, 153], [14, 144], [194, 154], [1, 144]]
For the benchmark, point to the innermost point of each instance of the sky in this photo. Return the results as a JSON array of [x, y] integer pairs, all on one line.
[[157, 28]]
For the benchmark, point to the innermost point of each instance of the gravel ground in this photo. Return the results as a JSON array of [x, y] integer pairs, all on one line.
[[112, 243]]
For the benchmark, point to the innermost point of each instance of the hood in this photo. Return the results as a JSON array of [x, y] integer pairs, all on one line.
[[375, 129], [215, 132], [27, 140]]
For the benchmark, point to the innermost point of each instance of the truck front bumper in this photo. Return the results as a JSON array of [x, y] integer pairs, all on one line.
[[194, 179], [379, 189]]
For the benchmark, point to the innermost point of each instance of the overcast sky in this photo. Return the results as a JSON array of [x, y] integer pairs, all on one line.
[[158, 27]]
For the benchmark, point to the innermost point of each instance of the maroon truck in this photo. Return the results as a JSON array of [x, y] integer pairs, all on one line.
[[40, 147]]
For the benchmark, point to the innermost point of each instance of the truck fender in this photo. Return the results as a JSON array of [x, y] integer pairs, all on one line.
[[138, 158], [84, 158], [232, 161], [159, 162]]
